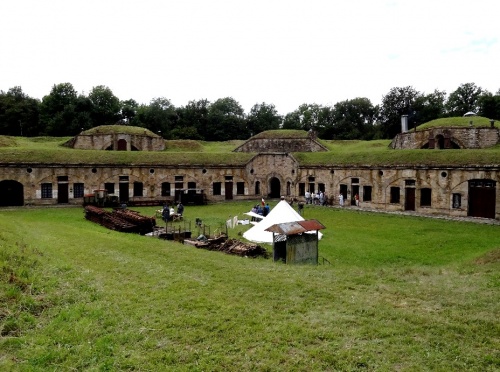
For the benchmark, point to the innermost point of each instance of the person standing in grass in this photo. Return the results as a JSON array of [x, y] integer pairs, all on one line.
[[307, 196], [165, 213], [180, 209]]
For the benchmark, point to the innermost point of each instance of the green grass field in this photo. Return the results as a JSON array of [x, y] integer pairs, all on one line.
[[401, 293]]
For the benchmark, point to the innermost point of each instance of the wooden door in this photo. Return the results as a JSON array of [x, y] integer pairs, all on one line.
[[482, 198], [229, 190], [409, 199]]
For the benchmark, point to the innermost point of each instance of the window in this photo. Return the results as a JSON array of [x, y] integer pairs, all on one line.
[[229, 178], [179, 182], [217, 187], [321, 187], [78, 190], [302, 189], [191, 185], [240, 188], [46, 191], [354, 180], [395, 195], [409, 182], [165, 189], [367, 193], [123, 178], [110, 187], [457, 201], [62, 178], [138, 189], [257, 188], [425, 197]]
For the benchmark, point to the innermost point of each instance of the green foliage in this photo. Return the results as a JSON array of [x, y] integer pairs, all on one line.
[[402, 293], [263, 117], [464, 99]]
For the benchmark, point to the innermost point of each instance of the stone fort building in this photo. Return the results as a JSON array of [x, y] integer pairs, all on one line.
[[267, 165]]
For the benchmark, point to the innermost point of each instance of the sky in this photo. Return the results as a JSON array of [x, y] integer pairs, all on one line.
[[280, 52]]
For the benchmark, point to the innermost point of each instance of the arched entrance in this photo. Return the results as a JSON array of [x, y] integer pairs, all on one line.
[[482, 198], [11, 193], [122, 145], [274, 188]]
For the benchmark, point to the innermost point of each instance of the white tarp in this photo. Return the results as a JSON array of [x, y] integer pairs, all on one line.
[[281, 213]]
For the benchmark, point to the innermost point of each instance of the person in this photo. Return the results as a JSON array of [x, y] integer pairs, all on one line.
[[267, 209], [165, 213], [307, 195], [341, 199], [255, 209], [180, 209], [356, 199], [260, 210], [300, 207], [321, 198]]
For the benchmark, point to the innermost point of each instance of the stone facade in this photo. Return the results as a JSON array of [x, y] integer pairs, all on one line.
[[117, 141], [457, 191], [427, 190], [447, 138], [281, 145]]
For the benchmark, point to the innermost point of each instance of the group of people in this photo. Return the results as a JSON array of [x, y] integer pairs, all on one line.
[[168, 213], [318, 198], [262, 209]]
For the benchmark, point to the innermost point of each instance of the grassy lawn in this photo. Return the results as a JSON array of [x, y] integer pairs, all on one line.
[[401, 293]]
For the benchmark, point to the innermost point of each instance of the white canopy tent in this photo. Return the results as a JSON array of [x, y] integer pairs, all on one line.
[[281, 213]]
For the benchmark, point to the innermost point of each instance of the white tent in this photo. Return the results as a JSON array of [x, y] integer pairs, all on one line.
[[281, 213]]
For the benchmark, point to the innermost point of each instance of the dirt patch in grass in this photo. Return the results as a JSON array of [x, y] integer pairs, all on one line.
[[490, 257]]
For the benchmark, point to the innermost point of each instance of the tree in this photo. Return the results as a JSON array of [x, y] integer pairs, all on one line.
[[106, 107], [306, 117], [129, 111], [19, 113], [399, 101], [159, 116], [354, 119], [193, 120], [226, 121], [489, 105], [263, 117], [430, 107], [464, 99], [57, 111]]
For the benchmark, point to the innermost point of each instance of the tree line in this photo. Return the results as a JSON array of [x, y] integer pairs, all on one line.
[[64, 112]]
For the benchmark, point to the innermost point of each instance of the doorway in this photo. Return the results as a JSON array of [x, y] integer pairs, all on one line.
[[274, 187], [62, 193], [482, 198], [124, 193], [229, 190], [409, 199], [11, 193]]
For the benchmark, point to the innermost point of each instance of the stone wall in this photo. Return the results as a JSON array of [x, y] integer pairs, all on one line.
[[258, 145], [258, 177], [111, 141], [459, 137]]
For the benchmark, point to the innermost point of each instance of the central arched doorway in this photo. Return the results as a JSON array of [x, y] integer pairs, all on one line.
[[11, 193], [274, 188]]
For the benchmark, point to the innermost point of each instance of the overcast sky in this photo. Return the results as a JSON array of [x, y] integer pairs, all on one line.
[[281, 52]]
